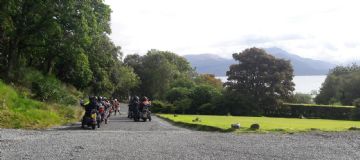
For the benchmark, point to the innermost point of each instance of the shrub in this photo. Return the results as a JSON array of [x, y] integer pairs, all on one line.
[[302, 98], [182, 105], [206, 108], [201, 95], [176, 94], [162, 107], [48, 88], [313, 111], [356, 103], [356, 113]]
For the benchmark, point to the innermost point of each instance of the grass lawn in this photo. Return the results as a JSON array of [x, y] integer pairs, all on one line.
[[267, 124]]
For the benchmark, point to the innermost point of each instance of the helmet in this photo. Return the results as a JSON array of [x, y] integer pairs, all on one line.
[[136, 98], [144, 98], [92, 99]]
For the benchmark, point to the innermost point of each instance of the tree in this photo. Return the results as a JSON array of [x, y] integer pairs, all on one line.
[[302, 98], [201, 95], [209, 79], [67, 39], [341, 86], [260, 77], [176, 94], [158, 72]]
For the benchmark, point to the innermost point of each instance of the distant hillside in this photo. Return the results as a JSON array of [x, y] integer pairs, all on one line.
[[210, 63]]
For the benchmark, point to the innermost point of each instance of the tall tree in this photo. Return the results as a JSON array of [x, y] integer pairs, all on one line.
[[157, 71], [340, 86], [261, 78]]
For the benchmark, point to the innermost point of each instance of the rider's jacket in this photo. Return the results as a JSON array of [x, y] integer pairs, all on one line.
[[90, 106]]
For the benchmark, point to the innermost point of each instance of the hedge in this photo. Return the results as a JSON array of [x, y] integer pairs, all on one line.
[[314, 111]]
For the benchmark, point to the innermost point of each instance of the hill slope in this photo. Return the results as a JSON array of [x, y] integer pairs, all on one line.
[[17, 111], [210, 63]]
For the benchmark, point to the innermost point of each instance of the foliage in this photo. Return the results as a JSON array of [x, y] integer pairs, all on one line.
[[201, 95], [162, 107], [183, 82], [235, 104], [340, 86], [20, 112], [182, 105], [176, 94], [267, 124], [48, 88], [157, 71], [314, 111], [66, 39], [356, 103], [209, 79], [302, 98], [261, 78], [206, 108]]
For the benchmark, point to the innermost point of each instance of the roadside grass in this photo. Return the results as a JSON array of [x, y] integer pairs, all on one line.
[[17, 111], [267, 124]]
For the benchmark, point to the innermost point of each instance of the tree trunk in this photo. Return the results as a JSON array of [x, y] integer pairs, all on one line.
[[50, 66]]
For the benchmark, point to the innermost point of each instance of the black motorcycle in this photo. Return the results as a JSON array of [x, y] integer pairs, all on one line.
[[90, 121]]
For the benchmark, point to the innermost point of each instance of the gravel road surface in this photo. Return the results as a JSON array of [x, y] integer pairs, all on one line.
[[158, 140]]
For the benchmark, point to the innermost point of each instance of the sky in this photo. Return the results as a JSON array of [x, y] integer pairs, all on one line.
[[319, 29]]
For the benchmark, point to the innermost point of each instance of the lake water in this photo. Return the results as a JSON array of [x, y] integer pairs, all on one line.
[[303, 84]]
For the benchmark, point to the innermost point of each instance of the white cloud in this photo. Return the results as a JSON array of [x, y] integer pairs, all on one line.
[[319, 29]]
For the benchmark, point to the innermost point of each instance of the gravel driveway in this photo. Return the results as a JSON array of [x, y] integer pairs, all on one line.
[[156, 140]]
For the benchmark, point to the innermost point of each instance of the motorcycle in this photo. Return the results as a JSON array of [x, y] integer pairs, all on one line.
[[145, 114], [130, 112], [90, 121]]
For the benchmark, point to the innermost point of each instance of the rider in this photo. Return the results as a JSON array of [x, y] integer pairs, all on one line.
[[90, 106], [133, 105], [144, 103]]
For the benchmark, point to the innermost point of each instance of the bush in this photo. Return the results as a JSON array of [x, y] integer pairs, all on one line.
[[356, 103], [314, 111], [302, 98], [206, 108], [21, 112], [162, 107], [176, 94], [201, 95], [48, 88], [182, 105]]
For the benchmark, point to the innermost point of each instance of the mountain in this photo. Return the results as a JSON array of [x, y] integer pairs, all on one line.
[[210, 63], [302, 66], [213, 64]]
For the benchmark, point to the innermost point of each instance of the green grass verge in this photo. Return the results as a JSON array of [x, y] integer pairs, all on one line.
[[267, 124], [20, 112]]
